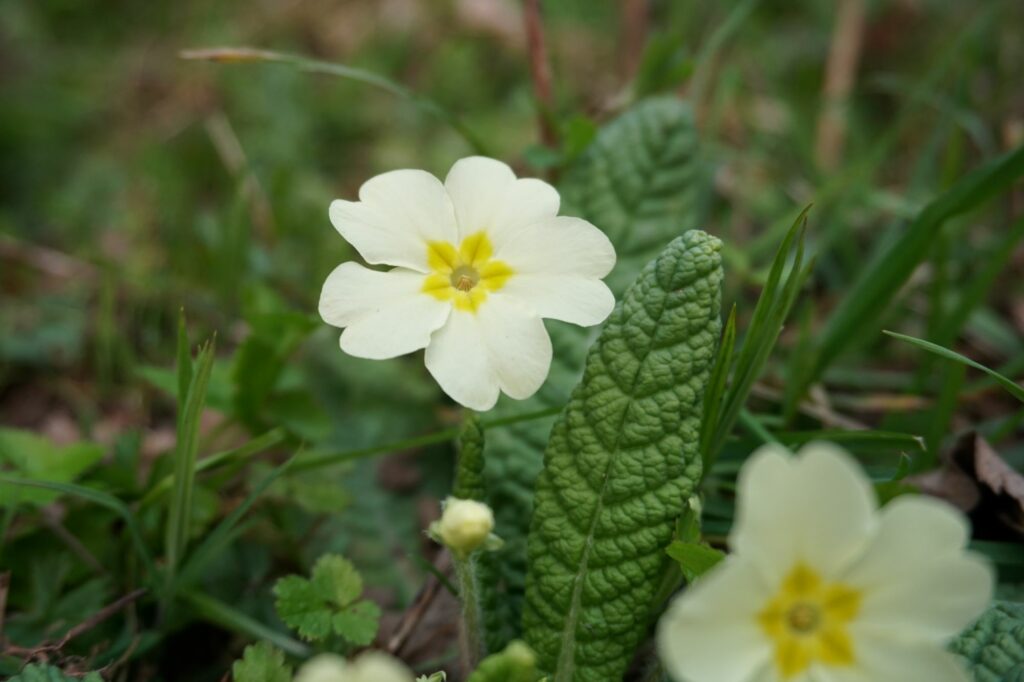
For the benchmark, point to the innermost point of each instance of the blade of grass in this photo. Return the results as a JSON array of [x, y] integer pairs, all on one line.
[[221, 536], [942, 415], [715, 393], [1012, 387], [858, 174], [756, 427], [227, 617], [889, 270], [104, 500], [770, 313], [316, 460], [248, 55], [711, 47], [978, 286], [255, 446], [184, 364], [180, 510]]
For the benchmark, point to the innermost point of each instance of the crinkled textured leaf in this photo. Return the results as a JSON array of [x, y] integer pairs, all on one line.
[[261, 663], [639, 182], [993, 648], [517, 663], [469, 474], [622, 460], [49, 673], [327, 603]]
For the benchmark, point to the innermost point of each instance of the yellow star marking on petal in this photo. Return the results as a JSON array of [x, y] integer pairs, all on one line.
[[808, 621], [465, 274]]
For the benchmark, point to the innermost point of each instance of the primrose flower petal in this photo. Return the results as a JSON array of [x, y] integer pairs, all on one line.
[[486, 193], [383, 313], [397, 213], [824, 587], [478, 262]]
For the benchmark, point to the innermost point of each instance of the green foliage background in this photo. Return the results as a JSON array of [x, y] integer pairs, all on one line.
[[135, 184]]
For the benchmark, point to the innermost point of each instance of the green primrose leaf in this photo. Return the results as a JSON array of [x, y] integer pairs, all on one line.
[[640, 182], [622, 461], [992, 648], [261, 663], [327, 603], [469, 473]]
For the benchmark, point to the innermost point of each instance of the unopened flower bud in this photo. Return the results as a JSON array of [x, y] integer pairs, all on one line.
[[465, 525]]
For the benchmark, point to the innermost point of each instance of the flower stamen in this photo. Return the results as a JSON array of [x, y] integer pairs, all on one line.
[[464, 274], [808, 620]]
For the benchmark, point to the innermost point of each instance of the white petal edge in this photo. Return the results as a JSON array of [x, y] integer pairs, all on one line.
[[559, 246], [710, 633], [570, 298], [384, 313], [397, 214], [501, 347], [816, 507], [916, 578], [884, 659], [487, 196]]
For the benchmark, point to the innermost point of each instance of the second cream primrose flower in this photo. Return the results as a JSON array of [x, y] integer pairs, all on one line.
[[371, 666], [477, 262], [823, 587]]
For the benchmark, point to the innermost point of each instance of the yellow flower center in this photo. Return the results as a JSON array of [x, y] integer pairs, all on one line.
[[808, 620], [466, 274]]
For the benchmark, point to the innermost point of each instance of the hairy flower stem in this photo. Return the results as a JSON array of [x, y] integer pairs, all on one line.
[[471, 632]]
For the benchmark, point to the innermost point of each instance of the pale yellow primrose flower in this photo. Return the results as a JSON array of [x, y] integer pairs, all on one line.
[[822, 586], [477, 262], [372, 666]]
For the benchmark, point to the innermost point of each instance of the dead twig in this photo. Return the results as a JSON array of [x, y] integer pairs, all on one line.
[[840, 72], [86, 625], [635, 20], [48, 261], [414, 614], [540, 70]]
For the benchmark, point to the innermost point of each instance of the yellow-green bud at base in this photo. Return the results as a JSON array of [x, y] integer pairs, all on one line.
[[464, 525]]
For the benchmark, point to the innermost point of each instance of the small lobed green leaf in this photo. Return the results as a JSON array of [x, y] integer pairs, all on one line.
[[621, 462], [327, 603], [640, 182], [358, 623], [300, 606], [261, 662], [35, 457], [336, 580], [992, 649]]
